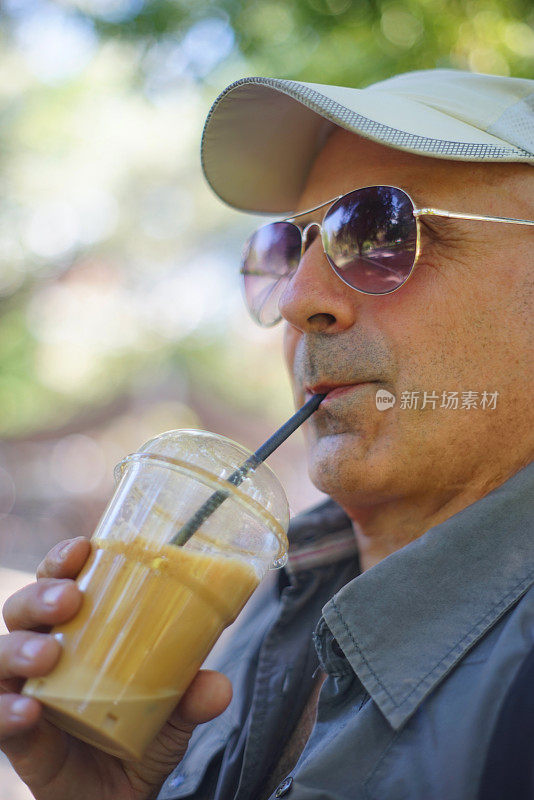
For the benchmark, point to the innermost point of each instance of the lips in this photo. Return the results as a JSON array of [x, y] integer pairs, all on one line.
[[333, 390]]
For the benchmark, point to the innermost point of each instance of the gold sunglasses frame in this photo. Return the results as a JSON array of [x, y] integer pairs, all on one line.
[[417, 212]]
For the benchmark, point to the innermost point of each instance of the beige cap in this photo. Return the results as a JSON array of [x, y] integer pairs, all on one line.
[[262, 134]]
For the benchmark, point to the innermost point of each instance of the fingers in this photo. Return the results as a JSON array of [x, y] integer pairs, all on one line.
[[25, 655], [48, 602], [208, 696], [17, 714], [66, 559], [55, 598]]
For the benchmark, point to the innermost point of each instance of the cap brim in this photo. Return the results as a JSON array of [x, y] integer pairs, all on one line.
[[262, 135]]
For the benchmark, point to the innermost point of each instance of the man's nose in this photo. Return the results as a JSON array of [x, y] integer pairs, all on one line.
[[315, 299]]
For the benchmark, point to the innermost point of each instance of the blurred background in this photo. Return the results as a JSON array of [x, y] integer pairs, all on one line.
[[120, 305]]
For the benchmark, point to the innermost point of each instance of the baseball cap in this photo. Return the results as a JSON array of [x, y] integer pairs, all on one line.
[[262, 134]]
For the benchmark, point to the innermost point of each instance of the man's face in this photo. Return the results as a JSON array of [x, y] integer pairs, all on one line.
[[462, 323]]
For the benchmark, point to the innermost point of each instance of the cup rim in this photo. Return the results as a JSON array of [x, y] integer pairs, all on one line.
[[216, 483]]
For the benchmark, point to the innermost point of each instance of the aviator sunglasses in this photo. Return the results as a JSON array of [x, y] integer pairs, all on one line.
[[371, 238]]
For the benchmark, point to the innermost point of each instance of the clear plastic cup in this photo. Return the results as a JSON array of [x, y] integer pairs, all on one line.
[[151, 610]]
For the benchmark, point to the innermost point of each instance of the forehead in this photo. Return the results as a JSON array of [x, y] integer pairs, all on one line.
[[348, 161]]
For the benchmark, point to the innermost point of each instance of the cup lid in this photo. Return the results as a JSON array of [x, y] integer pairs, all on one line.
[[214, 458]]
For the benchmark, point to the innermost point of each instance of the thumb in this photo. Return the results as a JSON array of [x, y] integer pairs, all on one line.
[[208, 696]]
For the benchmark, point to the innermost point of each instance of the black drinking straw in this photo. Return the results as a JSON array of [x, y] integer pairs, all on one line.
[[237, 477]]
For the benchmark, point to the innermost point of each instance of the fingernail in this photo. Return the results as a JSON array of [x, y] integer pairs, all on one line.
[[52, 595], [63, 552], [31, 649], [20, 707]]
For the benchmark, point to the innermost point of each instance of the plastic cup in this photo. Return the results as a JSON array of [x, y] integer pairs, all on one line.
[[152, 611]]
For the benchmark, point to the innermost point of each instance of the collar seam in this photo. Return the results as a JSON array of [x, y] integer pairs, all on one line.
[[483, 623], [488, 618], [353, 640]]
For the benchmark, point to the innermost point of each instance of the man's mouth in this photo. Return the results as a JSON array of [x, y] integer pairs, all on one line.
[[334, 390]]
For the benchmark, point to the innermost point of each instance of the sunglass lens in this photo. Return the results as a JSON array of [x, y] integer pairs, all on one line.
[[370, 238], [270, 257]]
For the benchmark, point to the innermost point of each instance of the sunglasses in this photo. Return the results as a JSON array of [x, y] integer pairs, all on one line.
[[371, 239]]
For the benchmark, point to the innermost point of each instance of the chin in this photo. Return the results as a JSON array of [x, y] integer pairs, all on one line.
[[335, 464], [343, 468]]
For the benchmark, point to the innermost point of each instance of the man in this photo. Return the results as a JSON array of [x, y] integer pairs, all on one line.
[[376, 666]]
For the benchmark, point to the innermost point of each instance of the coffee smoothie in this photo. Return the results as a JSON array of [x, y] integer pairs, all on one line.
[[155, 601], [147, 620]]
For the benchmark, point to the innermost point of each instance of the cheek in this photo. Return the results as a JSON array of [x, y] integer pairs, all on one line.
[[450, 329], [427, 334]]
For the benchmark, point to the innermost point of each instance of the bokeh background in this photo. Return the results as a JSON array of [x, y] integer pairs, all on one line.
[[120, 307]]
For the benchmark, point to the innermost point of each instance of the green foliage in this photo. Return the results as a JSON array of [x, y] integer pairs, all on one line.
[[118, 140], [352, 42]]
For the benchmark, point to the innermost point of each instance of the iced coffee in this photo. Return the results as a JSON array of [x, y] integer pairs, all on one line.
[[152, 611]]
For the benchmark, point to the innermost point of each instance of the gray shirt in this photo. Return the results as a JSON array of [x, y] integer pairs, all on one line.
[[419, 652]]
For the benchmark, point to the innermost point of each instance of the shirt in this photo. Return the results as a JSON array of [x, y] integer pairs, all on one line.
[[419, 651], [509, 768]]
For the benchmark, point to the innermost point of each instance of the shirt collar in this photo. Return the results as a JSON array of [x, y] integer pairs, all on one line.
[[320, 536], [406, 622]]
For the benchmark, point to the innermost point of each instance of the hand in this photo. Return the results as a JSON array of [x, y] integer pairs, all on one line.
[[55, 765]]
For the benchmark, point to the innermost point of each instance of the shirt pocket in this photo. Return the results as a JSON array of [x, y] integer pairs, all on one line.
[[207, 742]]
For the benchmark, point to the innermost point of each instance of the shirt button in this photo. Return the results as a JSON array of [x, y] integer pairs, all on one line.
[[284, 788]]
